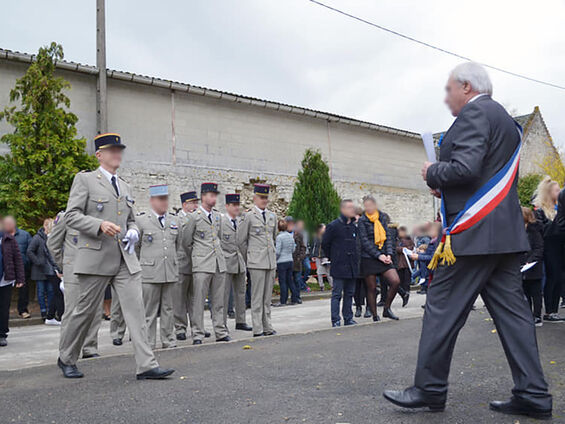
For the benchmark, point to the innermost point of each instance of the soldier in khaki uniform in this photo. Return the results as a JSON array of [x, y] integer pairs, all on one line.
[[101, 208], [201, 239], [159, 236], [62, 243], [235, 265], [256, 237]]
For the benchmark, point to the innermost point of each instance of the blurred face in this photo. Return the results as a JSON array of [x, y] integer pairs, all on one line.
[[261, 201], [348, 210], [233, 209], [457, 95], [322, 230], [110, 158], [209, 199], [10, 224], [370, 206], [299, 226], [554, 192], [190, 206], [160, 204], [402, 233], [290, 226]]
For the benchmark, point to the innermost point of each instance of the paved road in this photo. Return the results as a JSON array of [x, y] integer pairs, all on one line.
[[325, 376]]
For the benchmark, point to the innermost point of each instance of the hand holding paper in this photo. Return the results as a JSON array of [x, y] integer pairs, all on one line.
[[428, 140]]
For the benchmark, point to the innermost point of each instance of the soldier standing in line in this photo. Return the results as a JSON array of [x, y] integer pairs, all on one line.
[[62, 243], [101, 208], [201, 239], [159, 235], [235, 265], [256, 238]]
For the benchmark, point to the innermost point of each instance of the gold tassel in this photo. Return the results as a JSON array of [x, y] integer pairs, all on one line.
[[438, 254], [447, 257]]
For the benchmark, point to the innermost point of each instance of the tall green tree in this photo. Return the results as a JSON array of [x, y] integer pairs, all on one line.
[[315, 199], [526, 187], [45, 152]]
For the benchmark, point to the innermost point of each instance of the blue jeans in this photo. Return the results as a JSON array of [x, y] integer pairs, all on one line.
[[306, 269], [299, 281], [286, 282], [44, 289], [347, 287]]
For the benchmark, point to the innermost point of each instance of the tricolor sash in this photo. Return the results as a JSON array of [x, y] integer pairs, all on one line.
[[483, 202]]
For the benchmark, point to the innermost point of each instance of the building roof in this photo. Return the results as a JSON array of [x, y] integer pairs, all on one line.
[[209, 92]]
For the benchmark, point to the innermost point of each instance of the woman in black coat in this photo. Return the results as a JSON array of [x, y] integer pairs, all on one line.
[[533, 276], [377, 252]]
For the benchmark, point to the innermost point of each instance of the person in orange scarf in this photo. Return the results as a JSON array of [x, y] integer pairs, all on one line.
[[376, 257]]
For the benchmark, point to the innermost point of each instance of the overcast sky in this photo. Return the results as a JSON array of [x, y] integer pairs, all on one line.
[[295, 52]]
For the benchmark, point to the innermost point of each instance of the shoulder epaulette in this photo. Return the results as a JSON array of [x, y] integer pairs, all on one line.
[[123, 179], [140, 213]]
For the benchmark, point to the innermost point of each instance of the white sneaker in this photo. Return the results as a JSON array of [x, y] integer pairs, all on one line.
[[538, 322], [52, 321]]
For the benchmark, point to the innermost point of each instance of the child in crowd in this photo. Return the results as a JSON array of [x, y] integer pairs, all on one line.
[[533, 276], [425, 257]]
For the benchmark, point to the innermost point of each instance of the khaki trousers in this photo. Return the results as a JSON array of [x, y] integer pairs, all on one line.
[[117, 322], [262, 281], [159, 297], [92, 287], [182, 303], [211, 285], [72, 293], [237, 282]]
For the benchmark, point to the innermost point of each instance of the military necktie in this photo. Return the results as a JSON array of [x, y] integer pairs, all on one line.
[[113, 179], [161, 218], [210, 217], [264, 217], [234, 224]]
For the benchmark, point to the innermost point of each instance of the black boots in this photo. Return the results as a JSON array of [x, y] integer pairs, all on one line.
[[387, 313], [358, 310]]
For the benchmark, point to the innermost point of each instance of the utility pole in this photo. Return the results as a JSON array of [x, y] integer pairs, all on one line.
[[101, 104]]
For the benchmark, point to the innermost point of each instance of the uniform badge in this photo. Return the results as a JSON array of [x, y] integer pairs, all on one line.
[[257, 230], [174, 226], [99, 207], [201, 234], [149, 238], [75, 239], [226, 237]]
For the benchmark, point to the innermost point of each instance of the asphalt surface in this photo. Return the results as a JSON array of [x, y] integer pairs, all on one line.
[[326, 376]]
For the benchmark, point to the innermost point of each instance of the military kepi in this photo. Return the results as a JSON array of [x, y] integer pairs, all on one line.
[[103, 141], [232, 198], [159, 190], [261, 189], [188, 196], [209, 188]]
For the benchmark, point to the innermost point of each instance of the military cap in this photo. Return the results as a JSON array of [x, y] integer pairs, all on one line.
[[261, 189], [189, 195], [232, 198], [209, 188], [103, 141], [159, 190]]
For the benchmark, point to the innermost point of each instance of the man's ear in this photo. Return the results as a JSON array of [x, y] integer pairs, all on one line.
[[467, 88]]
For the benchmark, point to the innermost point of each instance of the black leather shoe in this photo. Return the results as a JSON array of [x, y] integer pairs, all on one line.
[[243, 327], [156, 373], [197, 342], [387, 313], [90, 355], [181, 336], [224, 339], [358, 310], [367, 313], [269, 333], [69, 371], [415, 398], [516, 407], [381, 304], [350, 322], [299, 301], [258, 335], [405, 298], [376, 318], [117, 342], [207, 334]]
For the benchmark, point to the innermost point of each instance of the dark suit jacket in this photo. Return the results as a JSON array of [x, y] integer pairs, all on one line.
[[478, 144]]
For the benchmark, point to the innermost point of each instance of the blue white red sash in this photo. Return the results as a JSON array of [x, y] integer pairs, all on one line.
[[483, 202]]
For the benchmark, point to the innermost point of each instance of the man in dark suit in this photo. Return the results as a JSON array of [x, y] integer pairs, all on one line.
[[479, 144]]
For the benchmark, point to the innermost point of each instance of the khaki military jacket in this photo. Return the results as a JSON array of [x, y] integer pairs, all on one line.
[[257, 239], [184, 260], [201, 240], [91, 201], [62, 243], [232, 252], [158, 248]]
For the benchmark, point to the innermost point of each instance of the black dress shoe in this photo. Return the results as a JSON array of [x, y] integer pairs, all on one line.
[[224, 339], [367, 313], [299, 301], [405, 298], [269, 333], [376, 318], [90, 355], [258, 335], [358, 310], [516, 407], [156, 373], [207, 334], [415, 398], [197, 342], [181, 336], [387, 313], [69, 371], [117, 342], [381, 304], [243, 327]]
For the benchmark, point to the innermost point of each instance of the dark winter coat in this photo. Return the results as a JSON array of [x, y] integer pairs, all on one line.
[[341, 245], [42, 264], [367, 236], [13, 264], [24, 239], [535, 237], [405, 242], [299, 252]]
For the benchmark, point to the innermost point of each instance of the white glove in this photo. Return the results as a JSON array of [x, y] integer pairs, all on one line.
[[132, 237]]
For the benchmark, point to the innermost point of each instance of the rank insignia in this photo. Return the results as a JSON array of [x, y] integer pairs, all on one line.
[[174, 226], [99, 207]]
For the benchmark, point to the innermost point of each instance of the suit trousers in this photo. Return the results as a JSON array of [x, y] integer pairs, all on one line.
[[450, 298], [72, 293], [237, 282], [158, 300], [117, 322], [128, 289], [261, 294], [211, 285], [182, 303]]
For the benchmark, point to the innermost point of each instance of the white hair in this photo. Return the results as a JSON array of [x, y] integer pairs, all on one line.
[[475, 75]]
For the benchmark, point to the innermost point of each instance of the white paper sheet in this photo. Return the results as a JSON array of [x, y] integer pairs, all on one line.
[[428, 140], [528, 266], [407, 253]]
